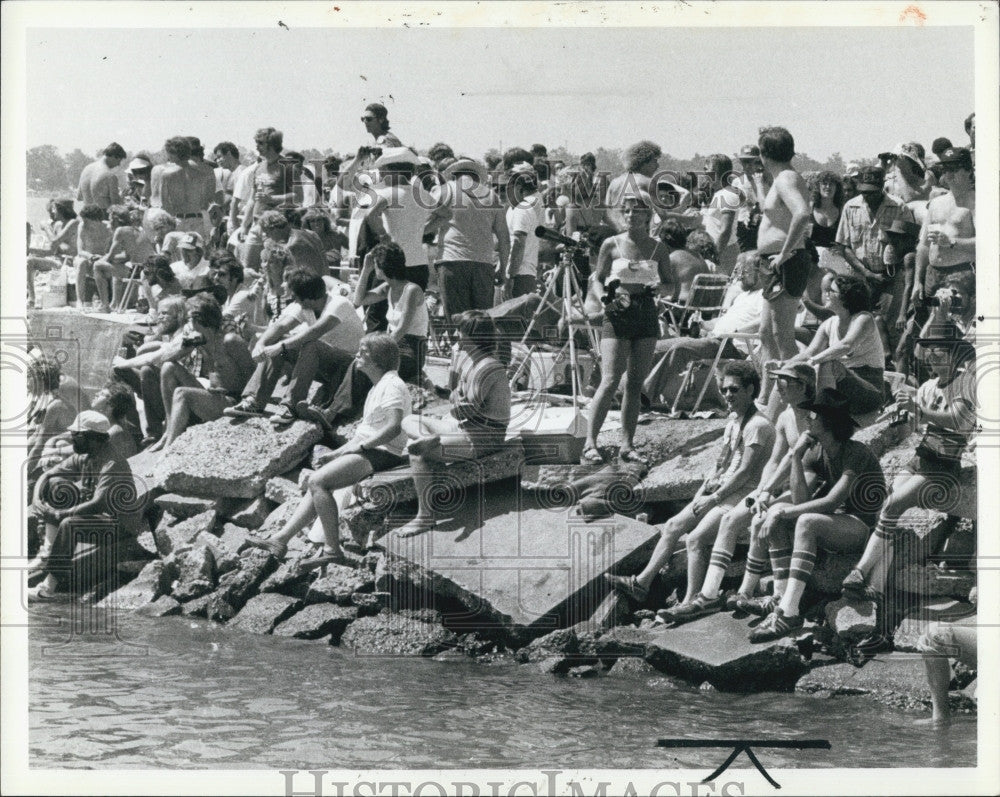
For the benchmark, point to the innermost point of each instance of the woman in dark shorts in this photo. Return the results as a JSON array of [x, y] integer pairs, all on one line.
[[631, 266], [946, 404], [377, 445], [477, 423]]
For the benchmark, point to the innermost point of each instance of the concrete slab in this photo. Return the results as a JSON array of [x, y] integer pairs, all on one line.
[[538, 567], [716, 649], [897, 679]]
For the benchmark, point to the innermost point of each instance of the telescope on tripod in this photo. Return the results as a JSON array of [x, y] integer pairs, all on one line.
[[564, 295]]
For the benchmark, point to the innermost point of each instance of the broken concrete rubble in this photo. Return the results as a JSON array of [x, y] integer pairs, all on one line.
[[233, 458]]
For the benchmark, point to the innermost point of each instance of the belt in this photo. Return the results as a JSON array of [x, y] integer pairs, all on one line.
[[189, 215]]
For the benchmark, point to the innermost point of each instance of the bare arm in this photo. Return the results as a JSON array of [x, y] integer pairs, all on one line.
[[861, 326], [503, 239]]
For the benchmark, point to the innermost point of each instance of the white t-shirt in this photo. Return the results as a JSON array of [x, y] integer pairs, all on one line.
[[525, 217], [405, 218], [743, 314], [185, 275], [345, 336], [724, 201], [390, 393]]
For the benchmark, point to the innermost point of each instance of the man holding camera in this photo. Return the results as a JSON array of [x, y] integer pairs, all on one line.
[[224, 357]]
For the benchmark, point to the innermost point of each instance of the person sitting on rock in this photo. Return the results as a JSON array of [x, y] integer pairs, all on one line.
[[946, 404], [317, 335], [795, 384], [49, 412], [225, 358], [477, 423], [242, 311], [142, 370], [377, 444], [836, 491], [158, 282], [746, 446], [91, 490]]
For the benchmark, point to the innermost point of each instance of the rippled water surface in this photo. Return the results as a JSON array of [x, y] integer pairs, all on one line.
[[188, 694]]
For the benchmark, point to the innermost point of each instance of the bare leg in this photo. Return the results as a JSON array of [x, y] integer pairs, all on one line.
[[303, 515], [190, 403], [812, 531], [341, 472], [938, 679], [614, 359], [876, 560], [699, 543], [102, 273], [84, 269], [732, 523], [640, 360], [681, 523]]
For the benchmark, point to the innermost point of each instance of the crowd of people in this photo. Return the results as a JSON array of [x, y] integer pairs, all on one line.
[[846, 295]]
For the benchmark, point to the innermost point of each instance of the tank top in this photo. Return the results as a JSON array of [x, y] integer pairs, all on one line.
[[418, 324], [822, 235], [867, 352], [636, 272]]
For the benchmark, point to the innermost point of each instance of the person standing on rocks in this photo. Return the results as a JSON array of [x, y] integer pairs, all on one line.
[[377, 445], [746, 445], [836, 491], [98, 181]]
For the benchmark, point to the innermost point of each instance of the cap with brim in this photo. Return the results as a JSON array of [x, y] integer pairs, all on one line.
[[959, 155], [136, 164], [396, 155], [960, 348], [749, 152], [90, 421], [191, 241], [800, 371], [466, 166], [870, 179], [831, 402]]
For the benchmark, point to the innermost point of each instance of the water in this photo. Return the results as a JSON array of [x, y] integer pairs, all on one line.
[[195, 695]]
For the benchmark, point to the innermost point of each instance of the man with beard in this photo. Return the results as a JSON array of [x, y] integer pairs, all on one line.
[[142, 370], [90, 491]]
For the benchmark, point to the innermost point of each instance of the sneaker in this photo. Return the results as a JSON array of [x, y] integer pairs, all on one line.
[[628, 586], [876, 642], [285, 416], [760, 607], [246, 408], [698, 606], [733, 599], [775, 626]]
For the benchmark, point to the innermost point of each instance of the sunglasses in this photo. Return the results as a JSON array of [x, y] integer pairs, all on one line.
[[730, 389], [367, 118]]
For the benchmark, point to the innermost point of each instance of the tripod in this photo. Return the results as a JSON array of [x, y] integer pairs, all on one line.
[[569, 306]]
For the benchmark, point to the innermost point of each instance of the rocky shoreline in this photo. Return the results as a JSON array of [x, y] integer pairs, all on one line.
[[226, 481]]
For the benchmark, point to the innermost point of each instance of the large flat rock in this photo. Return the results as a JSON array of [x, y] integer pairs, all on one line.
[[234, 458], [715, 649], [540, 568], [391, 488], [897, 679]]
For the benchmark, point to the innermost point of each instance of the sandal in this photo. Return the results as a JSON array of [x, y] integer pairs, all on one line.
[[591, 456], [632, 456], [322, 560]]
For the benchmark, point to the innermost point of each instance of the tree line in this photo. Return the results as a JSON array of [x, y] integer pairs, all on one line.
[[49, 171]]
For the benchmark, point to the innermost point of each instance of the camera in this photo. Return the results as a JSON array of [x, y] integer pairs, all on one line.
[[192, 340], [934, 301]]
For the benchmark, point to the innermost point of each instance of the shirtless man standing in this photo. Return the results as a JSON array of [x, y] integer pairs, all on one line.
[[98, 182], [781, 241], [174, 188], [948, 234]]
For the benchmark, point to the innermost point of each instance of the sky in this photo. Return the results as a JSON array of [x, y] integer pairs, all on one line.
[[857, 91]]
